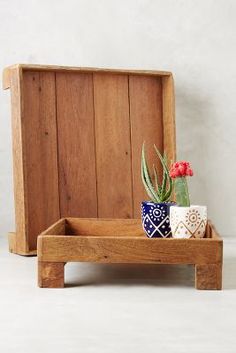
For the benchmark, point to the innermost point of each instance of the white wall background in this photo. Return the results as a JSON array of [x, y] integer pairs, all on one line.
[[196, 40]]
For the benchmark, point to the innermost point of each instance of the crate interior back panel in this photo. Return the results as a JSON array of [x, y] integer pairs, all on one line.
[[77, 137]]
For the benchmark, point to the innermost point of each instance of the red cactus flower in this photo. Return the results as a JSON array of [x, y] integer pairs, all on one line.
[[180, 169]]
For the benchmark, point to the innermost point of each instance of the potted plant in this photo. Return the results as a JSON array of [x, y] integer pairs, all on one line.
[[155, 212], [187, 220]]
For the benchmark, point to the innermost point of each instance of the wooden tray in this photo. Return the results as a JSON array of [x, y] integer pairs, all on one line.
[[77, 135], [123, 241]]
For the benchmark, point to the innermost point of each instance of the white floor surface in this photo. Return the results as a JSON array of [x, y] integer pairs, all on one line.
[[116, 309]]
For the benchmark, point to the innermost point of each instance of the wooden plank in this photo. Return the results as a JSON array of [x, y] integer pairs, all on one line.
[[113, 150], [12, 239], [208, 276], [76, 146], [40, 153], [145, 95], [20, 243], [6, 77], [50, 275], [58, 227], [55, 68], [127, 249], [168, 104], [12, 242], [208, 233], [213, 232], [104, 227]]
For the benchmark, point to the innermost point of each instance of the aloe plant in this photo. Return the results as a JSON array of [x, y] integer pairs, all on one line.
[[158, 191]]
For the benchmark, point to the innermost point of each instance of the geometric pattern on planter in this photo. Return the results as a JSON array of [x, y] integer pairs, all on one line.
[[182, 228], [155, 219], [188, 222]]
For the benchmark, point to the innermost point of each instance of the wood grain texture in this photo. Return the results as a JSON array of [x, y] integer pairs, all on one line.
[[50, 275], [127, 249], [6, 77], [76, 145], [208, 276], [12, 239], [113, 150], [212, 232], [40, 144], [55, 68], [103, 227], [73, 133], [123, 241], [58, 227], [145, 96], [12, 242], [168, 107], [114, 227], [109, 242], [20, 243]]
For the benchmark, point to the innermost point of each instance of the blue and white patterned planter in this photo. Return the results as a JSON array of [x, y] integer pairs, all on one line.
[[155, 219]]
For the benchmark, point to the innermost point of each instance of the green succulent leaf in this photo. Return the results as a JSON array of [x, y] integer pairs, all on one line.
[[147, 179], [164, 178], [166, 194], [146, 187], [169, 192], [157, 186], [158, 192]]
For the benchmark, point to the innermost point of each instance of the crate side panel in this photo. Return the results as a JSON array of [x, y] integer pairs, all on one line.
[[76, 146], [40, 153], [145, 95], [113, 150], [133, 249], [168, 102], [18, 240], [103, 227]]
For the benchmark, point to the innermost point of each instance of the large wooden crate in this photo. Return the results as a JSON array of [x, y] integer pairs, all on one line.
[[77, 135]]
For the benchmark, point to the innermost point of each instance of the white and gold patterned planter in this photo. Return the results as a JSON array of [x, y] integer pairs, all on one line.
[[188, 222]]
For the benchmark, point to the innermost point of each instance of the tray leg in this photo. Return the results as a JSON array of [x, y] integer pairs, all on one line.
[[208, 276], [51, 274]]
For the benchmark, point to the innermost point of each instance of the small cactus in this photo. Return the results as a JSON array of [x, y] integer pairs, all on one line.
[[179, 171], [158, 192]]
